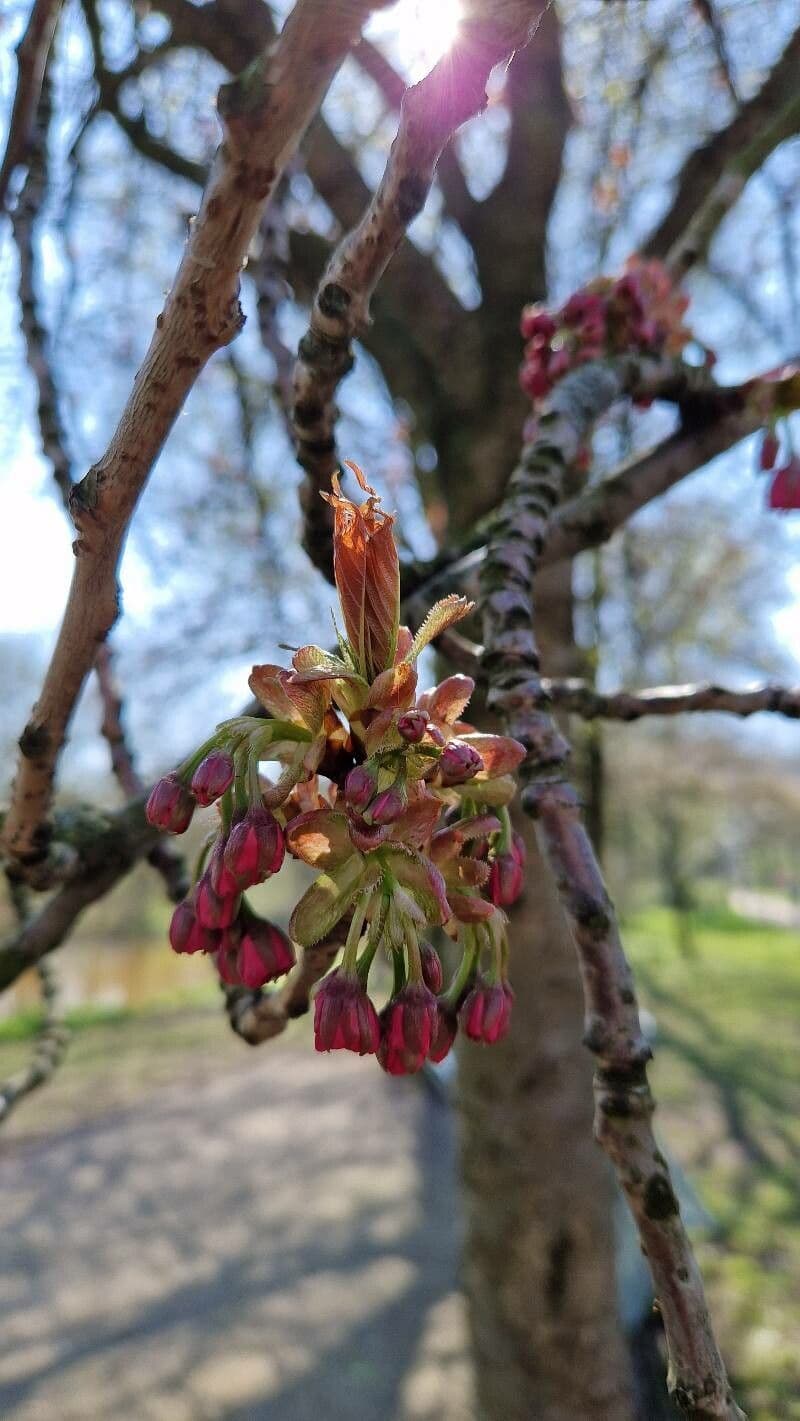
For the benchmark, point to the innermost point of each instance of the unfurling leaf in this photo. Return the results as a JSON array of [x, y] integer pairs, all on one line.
[[326, 901], [367, 572], [441, 616]]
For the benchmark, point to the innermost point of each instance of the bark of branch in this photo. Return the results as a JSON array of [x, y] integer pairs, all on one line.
[[624, 1104], [51, 1043], [264, 114], [581, 699], [101, 853], [32, 52], [705, 167], [431, 112], [694, 242], [711, 426]]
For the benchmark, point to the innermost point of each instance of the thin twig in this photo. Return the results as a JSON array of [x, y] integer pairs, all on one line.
[[624, 1104], [705, 167], [52, 1039], [32, 52], [431, 112], [264, 115], [581, 699], [163, 857]]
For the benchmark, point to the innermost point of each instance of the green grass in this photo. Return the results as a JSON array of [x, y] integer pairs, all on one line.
[[727, 1076]]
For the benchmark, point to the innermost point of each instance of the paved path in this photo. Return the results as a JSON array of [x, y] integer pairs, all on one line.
[[279, 1245]]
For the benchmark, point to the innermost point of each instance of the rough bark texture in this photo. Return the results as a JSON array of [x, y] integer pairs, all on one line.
[[539, 1266]]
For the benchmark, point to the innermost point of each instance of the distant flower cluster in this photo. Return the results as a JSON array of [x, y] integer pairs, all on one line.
[[641, 310], [399, 805]]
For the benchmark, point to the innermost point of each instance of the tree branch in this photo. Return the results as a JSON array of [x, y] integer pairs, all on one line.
[[264, 114], [694, 242], [624, 1104], [52, 1040], [582, 699], [705, 167], [32, 52], [100, 851], [431, 112], [721, 419]]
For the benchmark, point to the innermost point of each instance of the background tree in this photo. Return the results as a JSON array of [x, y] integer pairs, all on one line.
[[611, 125]]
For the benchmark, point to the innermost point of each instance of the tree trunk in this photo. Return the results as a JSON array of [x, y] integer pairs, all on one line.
[[539, 1255]]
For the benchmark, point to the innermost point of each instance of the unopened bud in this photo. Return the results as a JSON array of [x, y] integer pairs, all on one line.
[[186, 934], [255, 848], [212, 777], [360, 786], [170, 806], [459, 762], [412, 725]]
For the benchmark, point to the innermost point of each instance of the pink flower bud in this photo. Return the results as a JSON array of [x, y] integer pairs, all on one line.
[[264, 951], [344, 1017], [186, 934], [212, 911], [408, 1024], [222, 881], [459, 762], [360, 786], [534, 380], [170, 806], [507, 876], [486, 1013], [770, 448], [431, 967], [444, 1035], [412, 725], [255, 848], [784, 493], [387, 807], [212, 777], [536, 322]]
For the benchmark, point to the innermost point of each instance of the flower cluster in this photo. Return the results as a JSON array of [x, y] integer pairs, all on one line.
[[784, 488], [640, 310], [399, 805]]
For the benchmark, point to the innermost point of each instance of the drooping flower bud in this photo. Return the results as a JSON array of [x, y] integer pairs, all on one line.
[[344, 1017], [412, 725], [222, 880], [389, 805], [212, 911], [459, 762], [360, 786], [784, 493], [431, 967], [186, 934], [408, 1023], [170, 806], [264, 952], [507, 876], [486, 1013], [212, 777], [536, 323], [255, 848], [444, 1035]]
